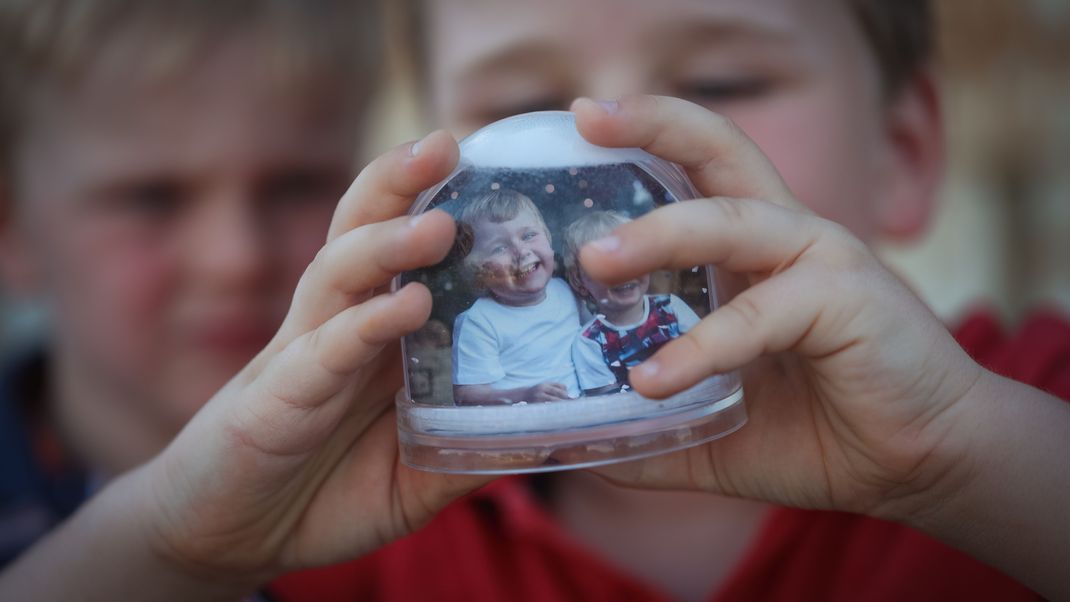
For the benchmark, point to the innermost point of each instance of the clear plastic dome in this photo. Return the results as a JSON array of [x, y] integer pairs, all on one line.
[[524, 363]]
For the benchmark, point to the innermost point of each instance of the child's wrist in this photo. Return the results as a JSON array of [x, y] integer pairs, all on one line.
[[946, 475], [172, 558], [1001, 478]]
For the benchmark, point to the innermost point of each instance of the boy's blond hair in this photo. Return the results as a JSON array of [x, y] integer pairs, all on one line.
[[497, 206], [591, 226], [50, 47]]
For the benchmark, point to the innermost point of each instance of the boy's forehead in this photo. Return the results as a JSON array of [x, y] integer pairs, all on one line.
[[523, 217], [507, 28]]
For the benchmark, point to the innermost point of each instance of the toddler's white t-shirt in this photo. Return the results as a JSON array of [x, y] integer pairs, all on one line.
[[509, 347]]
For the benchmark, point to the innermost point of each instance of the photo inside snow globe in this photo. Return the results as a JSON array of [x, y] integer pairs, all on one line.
[[515, 318]]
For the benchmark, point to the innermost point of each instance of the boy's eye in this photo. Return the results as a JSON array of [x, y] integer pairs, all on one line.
[[719, 91], [303, 186], [497, 249], [152, 199], [529, 235]]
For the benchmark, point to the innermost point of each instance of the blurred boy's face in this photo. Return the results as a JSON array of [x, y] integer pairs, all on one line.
[[797, 76], [167, 227], [513, 259]]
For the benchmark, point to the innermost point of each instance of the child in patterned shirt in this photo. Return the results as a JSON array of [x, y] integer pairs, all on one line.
[[629, 325]]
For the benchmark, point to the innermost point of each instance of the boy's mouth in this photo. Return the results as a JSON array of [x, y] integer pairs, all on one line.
[[527, 270], [625, 288]]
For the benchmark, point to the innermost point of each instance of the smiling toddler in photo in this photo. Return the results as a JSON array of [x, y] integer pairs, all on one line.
[[514, 343]]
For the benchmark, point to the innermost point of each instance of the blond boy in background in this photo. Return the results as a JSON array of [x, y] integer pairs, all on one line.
[[169, 170]]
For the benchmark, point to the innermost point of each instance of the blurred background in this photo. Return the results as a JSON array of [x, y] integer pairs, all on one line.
[[1002, 236], [1001, 239]]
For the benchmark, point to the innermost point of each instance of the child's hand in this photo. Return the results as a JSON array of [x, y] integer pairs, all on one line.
[[859, 399], [548, 392], [295, 462], [852, 385], [488, 395]]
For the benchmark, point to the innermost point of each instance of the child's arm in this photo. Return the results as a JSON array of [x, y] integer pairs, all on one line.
[[593, 374], [488, 395], [686, 317], [858, 397], [294, 463]]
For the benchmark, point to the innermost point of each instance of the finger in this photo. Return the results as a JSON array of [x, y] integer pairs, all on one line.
[[387, 186], [738, 235], [295, 404], [318, 364], [352, 265], [756, 322], [718, 157]]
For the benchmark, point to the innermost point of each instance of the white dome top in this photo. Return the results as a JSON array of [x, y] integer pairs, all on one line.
[[545, 139]]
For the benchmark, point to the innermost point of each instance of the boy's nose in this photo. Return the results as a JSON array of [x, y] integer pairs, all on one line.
[[227, 246]]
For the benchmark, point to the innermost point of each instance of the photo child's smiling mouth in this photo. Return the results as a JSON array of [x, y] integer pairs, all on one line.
[[522, 272]]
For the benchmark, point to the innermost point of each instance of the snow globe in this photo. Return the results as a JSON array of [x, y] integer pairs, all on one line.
[[524, 363]]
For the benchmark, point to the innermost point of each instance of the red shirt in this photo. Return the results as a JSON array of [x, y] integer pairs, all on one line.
[[500, 544]]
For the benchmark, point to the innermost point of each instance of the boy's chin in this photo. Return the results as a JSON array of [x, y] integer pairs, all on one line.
[[182, 402], [201, 379]]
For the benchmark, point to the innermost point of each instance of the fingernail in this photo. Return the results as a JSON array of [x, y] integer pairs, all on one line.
[[608, 244], [609, 106], [415, 148], [416, 219], [649, 368]]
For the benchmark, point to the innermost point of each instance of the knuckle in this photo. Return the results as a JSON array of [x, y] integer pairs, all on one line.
[[314, 272], [329, 357], [842, 250], [725, 127], [746, 311], [733, 211]]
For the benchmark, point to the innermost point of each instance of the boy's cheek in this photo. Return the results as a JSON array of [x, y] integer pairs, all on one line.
[[822, 145], [117, 313], [124, 303], [125, 324], [117, 303], [489, 273]]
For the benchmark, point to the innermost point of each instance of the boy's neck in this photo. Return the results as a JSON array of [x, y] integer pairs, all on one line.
[[529, 303], [685, 544], [631, 315]]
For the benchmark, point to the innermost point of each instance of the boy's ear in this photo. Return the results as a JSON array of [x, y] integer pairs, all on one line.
[[914, 164], [577, 284]]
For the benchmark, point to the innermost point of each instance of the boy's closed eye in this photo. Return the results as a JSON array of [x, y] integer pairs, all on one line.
[[300, 186], [148, 200], [722, 90]]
